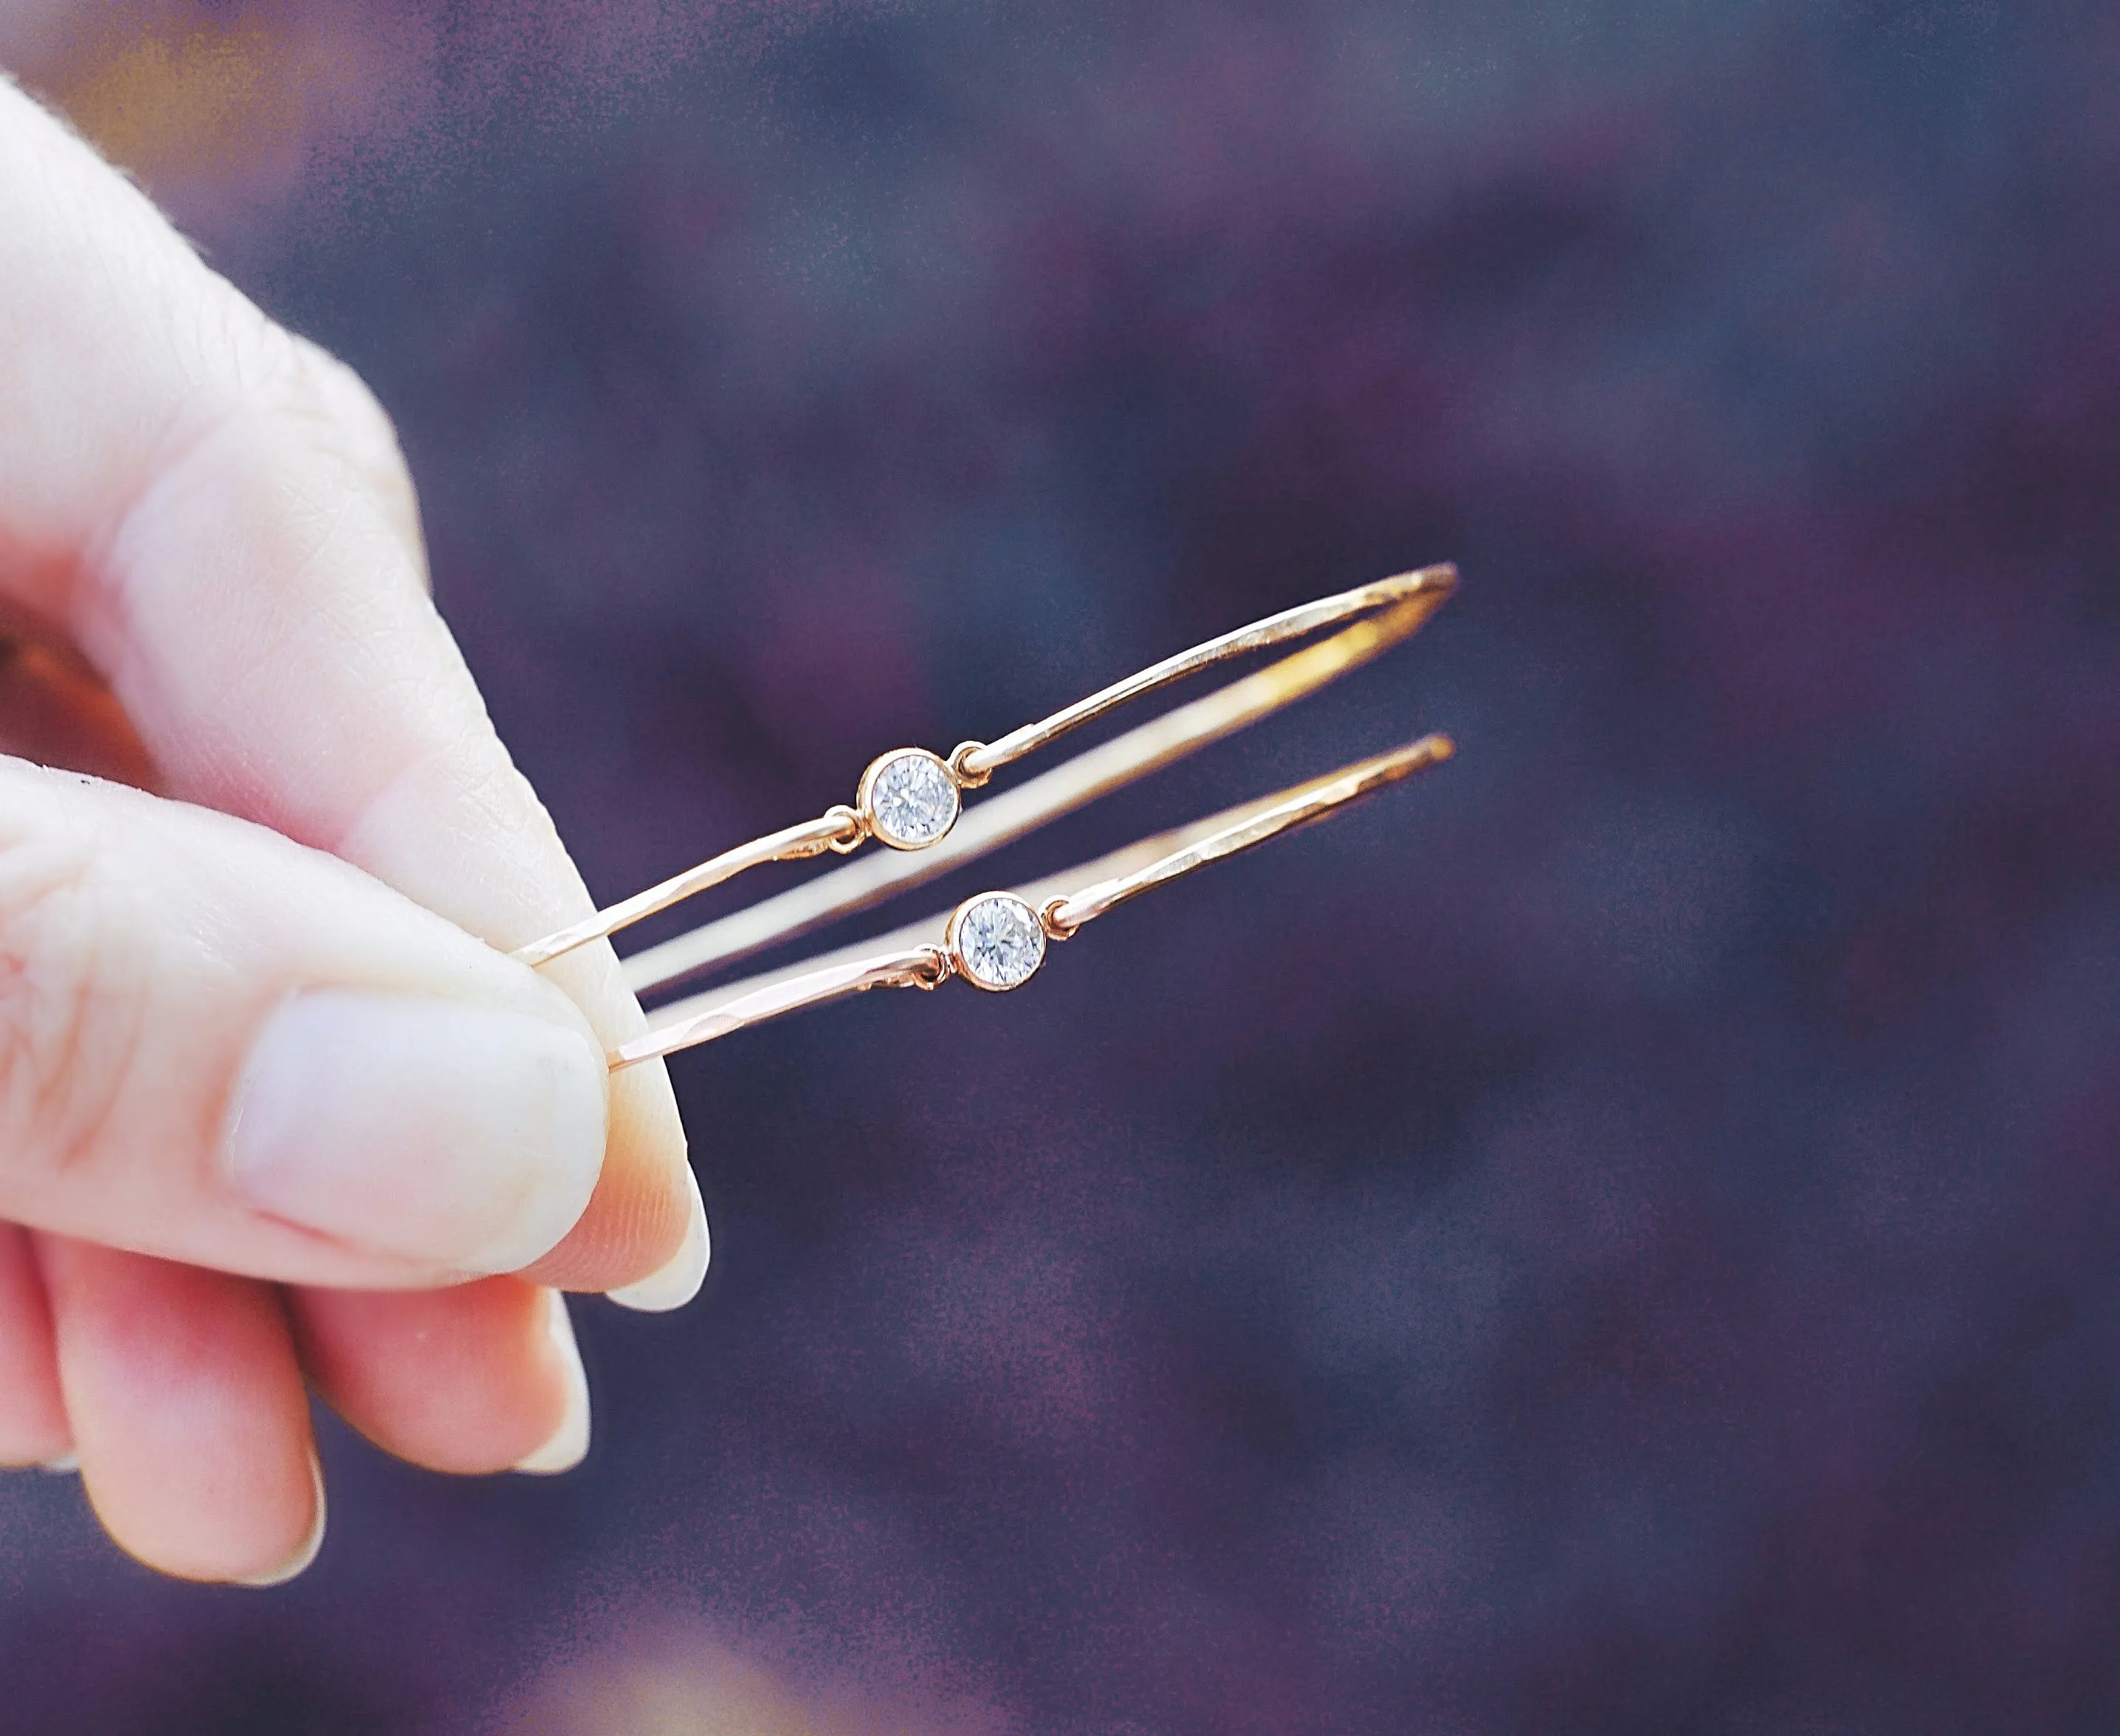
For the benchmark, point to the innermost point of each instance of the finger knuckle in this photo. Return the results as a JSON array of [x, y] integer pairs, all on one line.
[[271, 383], [342, 412], [73, 999], [326, 387]]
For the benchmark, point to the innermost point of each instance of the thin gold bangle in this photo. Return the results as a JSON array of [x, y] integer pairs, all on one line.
[[997, 940], [911, 799]]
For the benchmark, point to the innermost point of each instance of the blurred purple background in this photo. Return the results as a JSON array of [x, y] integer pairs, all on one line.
[[1621, 1235]]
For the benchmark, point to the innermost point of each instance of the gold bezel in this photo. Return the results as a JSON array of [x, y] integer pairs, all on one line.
[[953, 937], [866, 789]]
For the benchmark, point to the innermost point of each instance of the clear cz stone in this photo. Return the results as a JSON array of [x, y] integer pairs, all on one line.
[[912, 800], [999, 941]]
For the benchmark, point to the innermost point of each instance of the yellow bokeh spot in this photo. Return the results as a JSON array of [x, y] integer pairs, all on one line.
[[209, 100]]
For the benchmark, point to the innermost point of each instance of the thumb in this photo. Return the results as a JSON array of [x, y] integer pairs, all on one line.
[[219, 1047]]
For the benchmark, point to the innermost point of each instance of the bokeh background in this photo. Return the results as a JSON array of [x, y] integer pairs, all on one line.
[[1621, 1235]]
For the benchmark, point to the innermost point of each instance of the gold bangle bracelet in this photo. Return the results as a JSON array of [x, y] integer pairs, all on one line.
[[911, 799], [997, 941]]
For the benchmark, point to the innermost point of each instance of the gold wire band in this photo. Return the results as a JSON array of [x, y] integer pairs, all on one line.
[[918, 957], [1428, 588], [1396, 608]]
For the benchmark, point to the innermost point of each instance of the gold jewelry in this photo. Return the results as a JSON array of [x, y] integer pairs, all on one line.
[[910, 800], [997, 941]]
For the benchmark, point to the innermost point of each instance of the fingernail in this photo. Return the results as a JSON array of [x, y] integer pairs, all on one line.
[[569, 1444], [299, 1562], [678, 1282], [61, 1464], [464, 1135]]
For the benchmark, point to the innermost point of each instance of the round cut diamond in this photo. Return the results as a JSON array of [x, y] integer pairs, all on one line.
[[912, 798], [997, 940]]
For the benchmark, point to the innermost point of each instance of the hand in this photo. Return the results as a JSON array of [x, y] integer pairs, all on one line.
[[273, 1109]]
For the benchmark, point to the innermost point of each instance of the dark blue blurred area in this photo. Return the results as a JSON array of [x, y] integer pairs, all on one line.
[[1622, 1234]]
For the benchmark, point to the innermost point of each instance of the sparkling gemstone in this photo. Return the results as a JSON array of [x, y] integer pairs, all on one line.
[[911, 800], [999, 941]]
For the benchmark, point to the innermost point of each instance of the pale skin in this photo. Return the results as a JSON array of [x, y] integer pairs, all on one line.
[[211, 566]]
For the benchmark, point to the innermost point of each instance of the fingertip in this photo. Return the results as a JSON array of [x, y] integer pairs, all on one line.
[[305, 1552], [468, 1381], [677, 1281], [569, 1444], [644, 1220], [188, 1413], [34, 1429]]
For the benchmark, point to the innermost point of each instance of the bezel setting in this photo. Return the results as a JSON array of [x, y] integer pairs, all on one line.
[[995, 941], [908, 798]]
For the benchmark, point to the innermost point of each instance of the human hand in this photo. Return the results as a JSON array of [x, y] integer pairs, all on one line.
[[268, 1091]]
